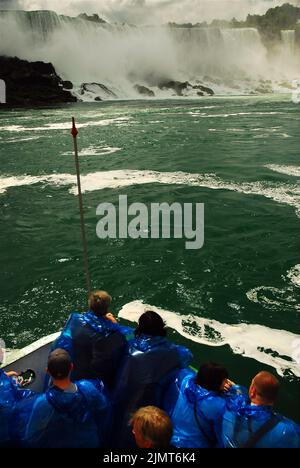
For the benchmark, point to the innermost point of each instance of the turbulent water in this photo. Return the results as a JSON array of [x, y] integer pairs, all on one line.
[[237, 300], [228, 60]]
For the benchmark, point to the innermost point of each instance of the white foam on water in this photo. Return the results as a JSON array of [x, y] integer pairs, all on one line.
[[294, 275], [259, 295], [238, 114], [20, 181], [65, 125], [19, 140], [235, 130], [266, 345], [94, 151], [270, 297], [286, 194], [288, 170]]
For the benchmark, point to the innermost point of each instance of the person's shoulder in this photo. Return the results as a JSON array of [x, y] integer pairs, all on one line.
[[95, 386], [186, 375], [4, 379], [95, 393], [236, 401], [37, 402], [128, 332], [286, 434], [185, 355], [74, 318], [79, 316], [214, 402], [288, 425]]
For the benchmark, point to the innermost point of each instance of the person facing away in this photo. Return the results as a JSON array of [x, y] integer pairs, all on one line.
[[195, 402], [95, 341], [152, 428], [10, 395], [146, 371], [67, 415], [251, 422]]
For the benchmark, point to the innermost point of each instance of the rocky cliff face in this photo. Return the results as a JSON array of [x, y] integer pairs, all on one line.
[[32, 83]]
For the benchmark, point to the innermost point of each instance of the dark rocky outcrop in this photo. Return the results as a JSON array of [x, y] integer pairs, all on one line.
[[144, 91], [67, 85], [94, 18], [32, 83], [179, 87], [204, 90], [96, 88]]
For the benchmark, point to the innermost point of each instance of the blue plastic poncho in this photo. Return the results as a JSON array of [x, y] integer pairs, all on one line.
[[58, 419], [10, 394], [148, 362], [196, 413], [144, 377], [95, 345], [241, 420]]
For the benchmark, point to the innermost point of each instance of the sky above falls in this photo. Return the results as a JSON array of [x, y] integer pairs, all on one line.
[[151, 11]]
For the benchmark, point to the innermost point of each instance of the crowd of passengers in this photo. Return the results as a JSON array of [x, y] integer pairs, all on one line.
[[108, 385]]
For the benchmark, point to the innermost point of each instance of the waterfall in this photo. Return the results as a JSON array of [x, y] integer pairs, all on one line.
[[220, 51], [288, 38], [39, 23], [245, 40], [85, 50]]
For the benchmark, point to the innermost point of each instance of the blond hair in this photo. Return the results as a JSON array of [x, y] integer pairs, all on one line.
[[99, 302], [154, 425]]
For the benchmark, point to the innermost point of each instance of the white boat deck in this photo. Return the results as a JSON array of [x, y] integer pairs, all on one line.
[[33, 357]]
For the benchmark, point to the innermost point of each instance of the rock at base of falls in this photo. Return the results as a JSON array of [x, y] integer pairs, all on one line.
[[32, 83]]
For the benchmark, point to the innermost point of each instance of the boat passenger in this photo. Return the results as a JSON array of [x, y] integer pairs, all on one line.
[[251, 422], [10, 394], [68, 415], [146, 372], [95, 341], [195, 403], [152, 428]]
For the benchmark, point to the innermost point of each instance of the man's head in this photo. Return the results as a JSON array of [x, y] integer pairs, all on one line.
[[264, 389], [152, 428], [212, 376], [59, 365], [150, 323], [99, 302]]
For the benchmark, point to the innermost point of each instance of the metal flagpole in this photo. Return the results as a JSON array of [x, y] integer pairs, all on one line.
[[74, 133]]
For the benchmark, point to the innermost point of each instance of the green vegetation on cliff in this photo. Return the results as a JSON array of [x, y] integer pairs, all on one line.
[[275, 19], [270, 24]]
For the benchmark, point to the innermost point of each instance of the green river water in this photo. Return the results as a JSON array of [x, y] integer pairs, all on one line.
[[239, 156]]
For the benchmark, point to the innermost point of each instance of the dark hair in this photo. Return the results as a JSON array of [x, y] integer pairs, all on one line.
[[150, 323], [211, 376], [59, 364]]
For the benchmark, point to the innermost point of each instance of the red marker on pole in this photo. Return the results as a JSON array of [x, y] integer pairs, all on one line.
[[74, 133]]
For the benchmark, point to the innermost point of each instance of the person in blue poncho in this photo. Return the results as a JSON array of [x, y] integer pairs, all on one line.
[[10, 394], [95, 341], [68, 415], [146, 371], [251, 422], [195, 403]]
